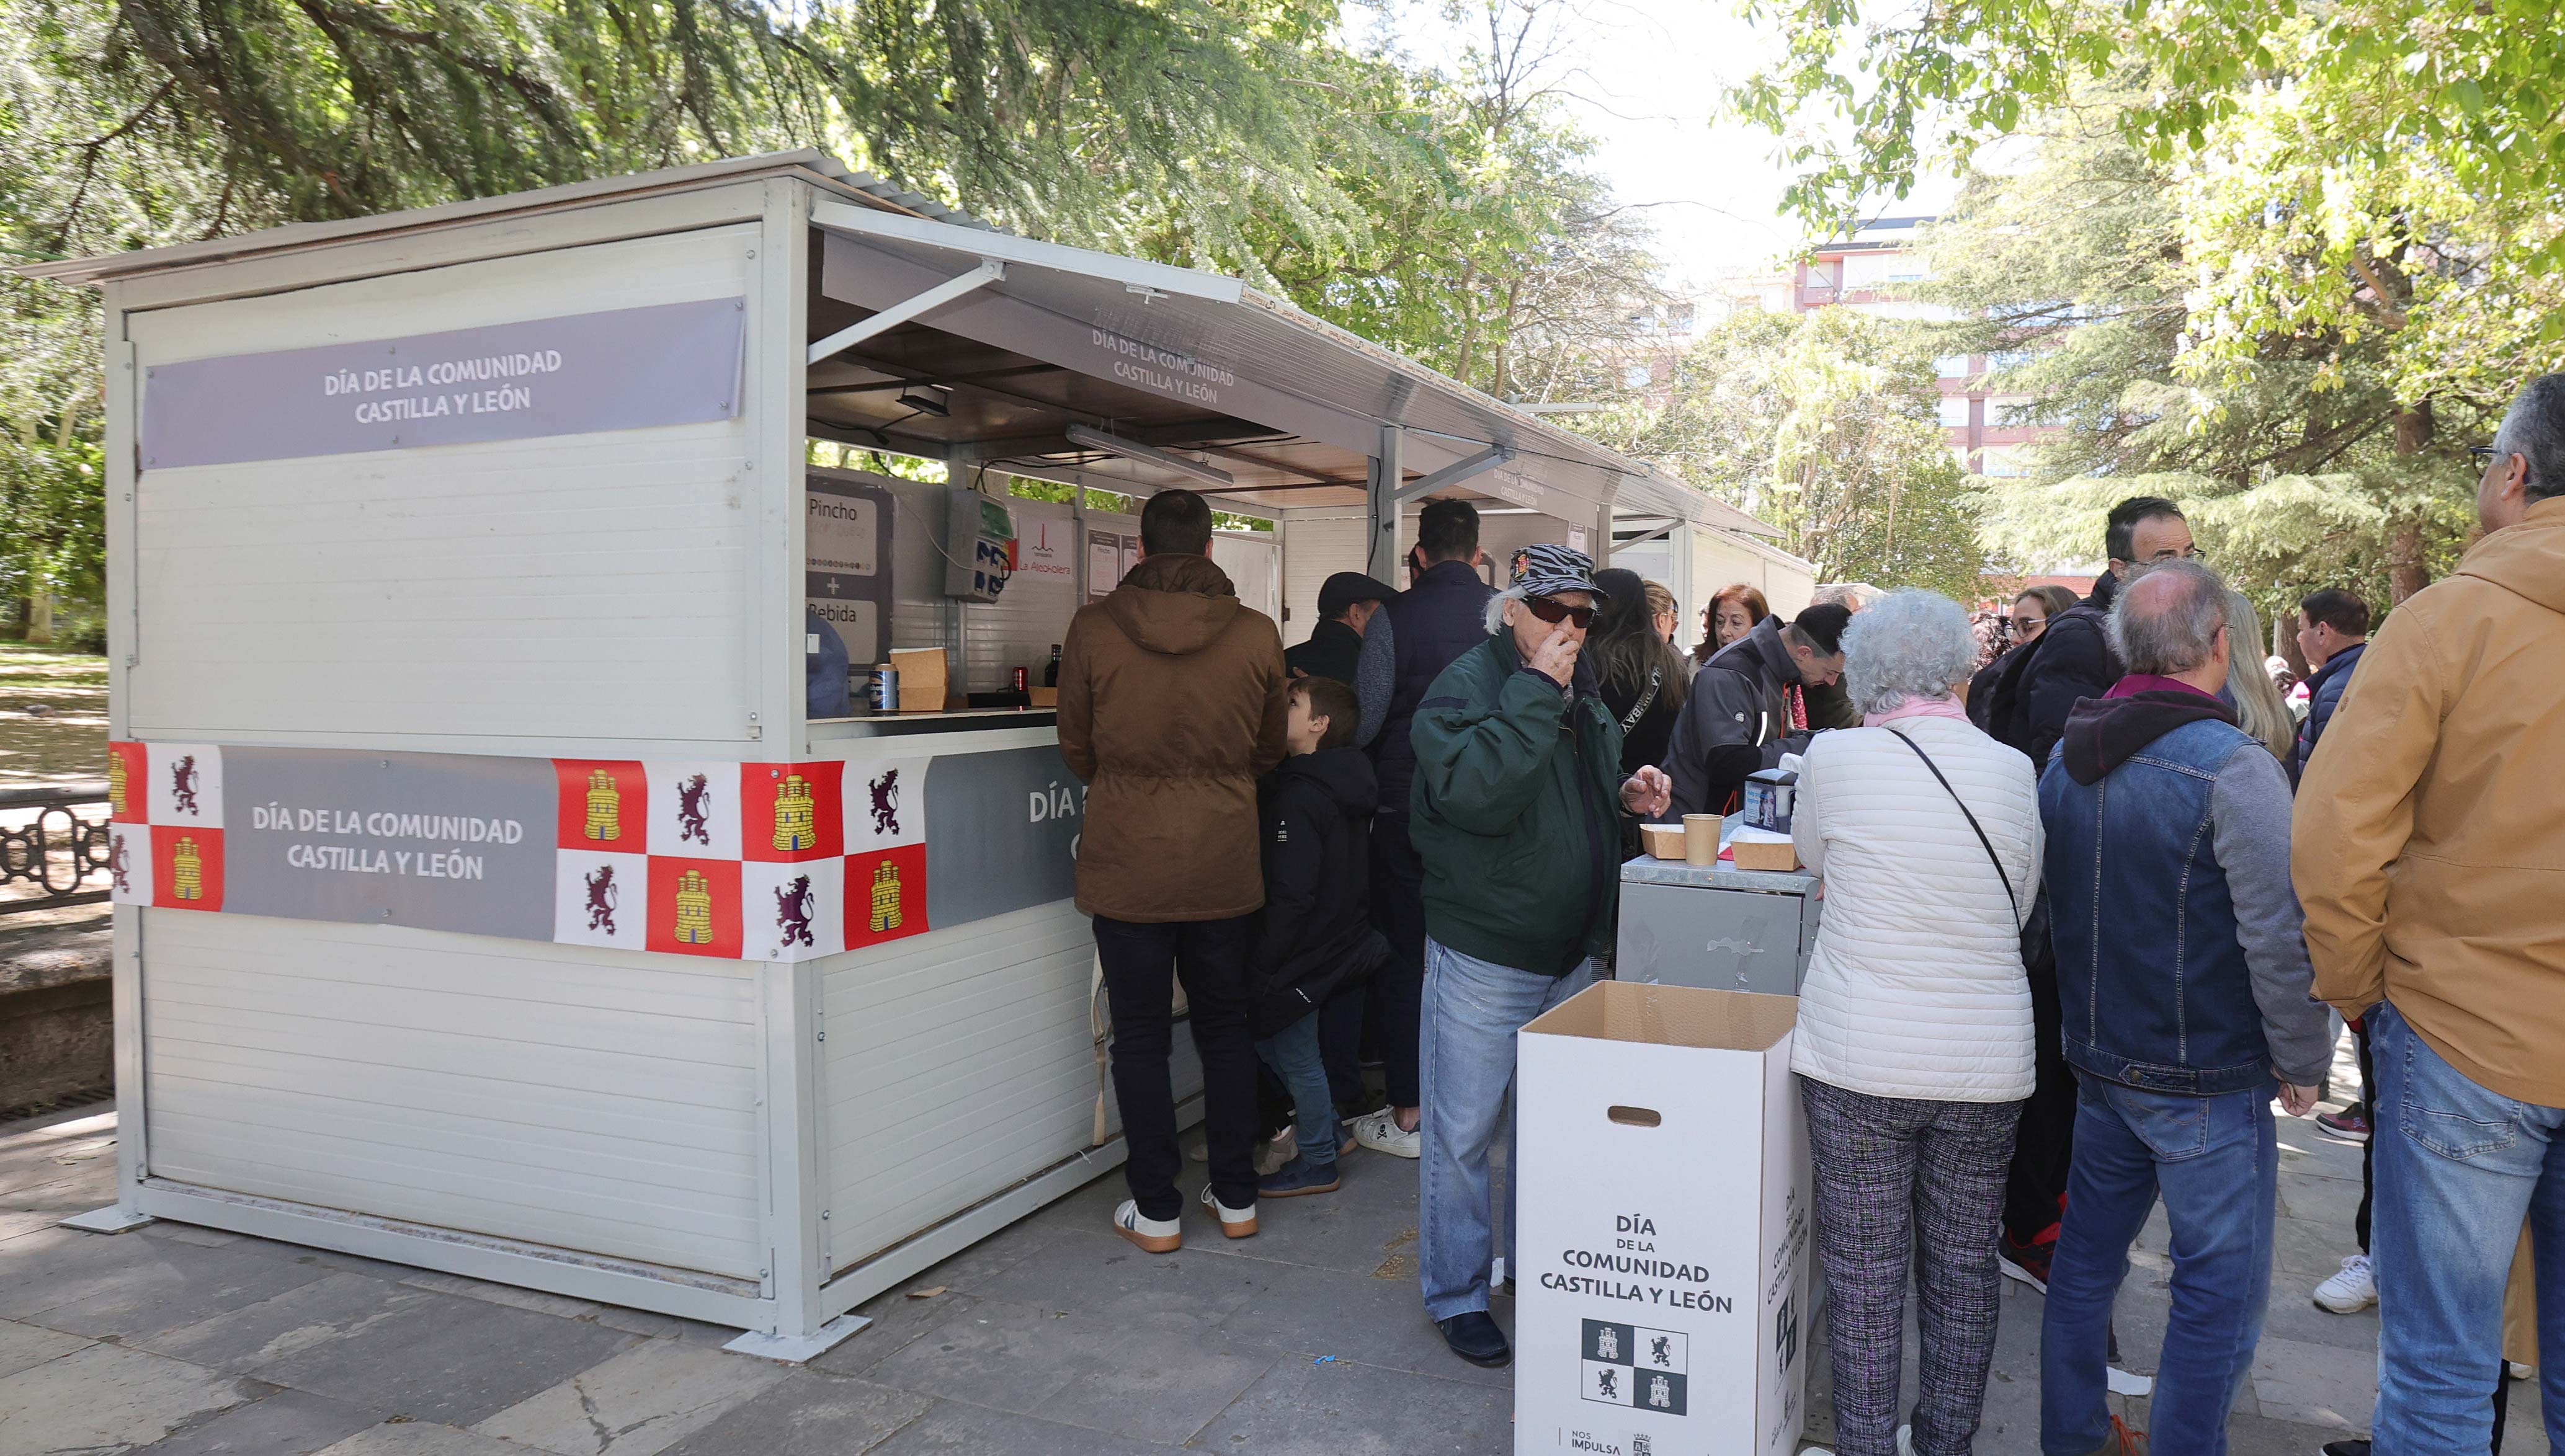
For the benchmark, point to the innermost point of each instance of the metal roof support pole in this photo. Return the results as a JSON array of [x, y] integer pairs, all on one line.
[[1456, 472], [1381, 506], [989, 272]]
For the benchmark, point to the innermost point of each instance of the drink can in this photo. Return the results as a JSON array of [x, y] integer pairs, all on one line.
[[1020, 680], [885, 695]]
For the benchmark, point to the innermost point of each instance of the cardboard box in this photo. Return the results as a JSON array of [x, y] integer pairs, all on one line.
[[1042, 696], [1762, 854], [1666, 1245], [1662, 841], [922, 683]]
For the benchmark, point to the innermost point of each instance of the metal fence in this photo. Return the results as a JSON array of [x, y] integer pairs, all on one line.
[[54, 855]]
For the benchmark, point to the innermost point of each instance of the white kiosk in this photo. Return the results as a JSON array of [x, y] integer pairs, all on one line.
[[489, 901]]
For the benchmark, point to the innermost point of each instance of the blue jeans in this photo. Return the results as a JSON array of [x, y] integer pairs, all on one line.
[[2215, 1161], [2459, 1167], [1293, 1053], [1465, 1067]]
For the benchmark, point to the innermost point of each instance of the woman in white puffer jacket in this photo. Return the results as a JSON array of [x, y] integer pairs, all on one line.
[[1913, 1043]]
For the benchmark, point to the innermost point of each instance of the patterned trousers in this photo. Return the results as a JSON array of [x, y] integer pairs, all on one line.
[[1895, 1176]]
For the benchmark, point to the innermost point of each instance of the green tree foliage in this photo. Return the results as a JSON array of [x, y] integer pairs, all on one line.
[[1823, 424], [2378, 180], [2292, 461]]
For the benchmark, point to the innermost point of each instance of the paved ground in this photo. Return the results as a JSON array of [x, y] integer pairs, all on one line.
[[1053, 1337]]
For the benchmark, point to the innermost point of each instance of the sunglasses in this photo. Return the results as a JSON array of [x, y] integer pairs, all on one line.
[[1553, 611]]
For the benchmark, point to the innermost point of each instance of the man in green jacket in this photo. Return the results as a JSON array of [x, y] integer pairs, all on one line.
[[1515, 816]]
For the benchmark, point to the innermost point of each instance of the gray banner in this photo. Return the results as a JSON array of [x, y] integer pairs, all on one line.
[[626, 368], [442, 841], [1000, 833]]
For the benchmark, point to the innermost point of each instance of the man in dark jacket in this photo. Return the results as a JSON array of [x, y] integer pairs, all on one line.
[[2182, 975], [1172, 703], [1347, 602], [1738, 718], [1414, 638], [1517, 809], [1315, 937], [2073, 657], [2335, 634]]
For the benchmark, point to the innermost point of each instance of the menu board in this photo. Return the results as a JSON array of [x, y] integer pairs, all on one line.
[[1110, 555], [846, 576]]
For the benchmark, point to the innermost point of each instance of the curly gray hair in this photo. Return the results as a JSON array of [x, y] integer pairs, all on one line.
[[1909, 643]]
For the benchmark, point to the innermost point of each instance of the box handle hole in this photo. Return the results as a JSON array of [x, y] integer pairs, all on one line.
[[1635, 1116]]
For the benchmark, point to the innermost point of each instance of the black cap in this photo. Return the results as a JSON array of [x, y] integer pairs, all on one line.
[[1345, 588]]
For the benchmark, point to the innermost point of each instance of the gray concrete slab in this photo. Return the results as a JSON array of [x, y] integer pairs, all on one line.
[[637, 1404], [808, 1414], [324, 1311], [160, 1286], [1345, 1408], [287, 1423], [447, 1359], [952, 1429], [105, 1399], [1101, 1274]]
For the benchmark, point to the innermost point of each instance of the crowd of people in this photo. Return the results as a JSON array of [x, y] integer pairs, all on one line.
[[2091, 908]]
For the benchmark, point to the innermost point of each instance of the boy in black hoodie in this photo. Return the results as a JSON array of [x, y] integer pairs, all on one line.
[[1315, 934]]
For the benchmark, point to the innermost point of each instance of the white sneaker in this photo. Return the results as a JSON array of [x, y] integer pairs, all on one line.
[[2522, 1371], [1379, 1131], [1153, 1235], [1236, 1223], [2350, 1291]]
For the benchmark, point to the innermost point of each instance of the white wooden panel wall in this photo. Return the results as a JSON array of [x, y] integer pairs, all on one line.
[[589, 1099], [1719, 560], [578, 587], [1316, 548], [1255, 567], [957, 1064]]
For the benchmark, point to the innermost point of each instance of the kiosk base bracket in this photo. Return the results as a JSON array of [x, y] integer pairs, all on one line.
[[796, 1348], [113, 1218]]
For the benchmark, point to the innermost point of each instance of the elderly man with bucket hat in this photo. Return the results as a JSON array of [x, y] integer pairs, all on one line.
[[1516, 807]]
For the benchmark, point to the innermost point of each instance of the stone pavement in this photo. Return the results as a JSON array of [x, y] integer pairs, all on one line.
[[1053, 1336]]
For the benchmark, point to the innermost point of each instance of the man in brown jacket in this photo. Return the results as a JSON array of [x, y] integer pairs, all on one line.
[[2429, 855], [1172, 701]]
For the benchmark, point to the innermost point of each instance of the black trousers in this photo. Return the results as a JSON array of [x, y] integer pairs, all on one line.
[[1141, 964], [1340, 1037], [2043, 1147], [1395, 1001]]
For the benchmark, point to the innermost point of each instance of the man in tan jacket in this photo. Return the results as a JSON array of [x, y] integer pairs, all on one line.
[[1172, 703], [2430, 854]]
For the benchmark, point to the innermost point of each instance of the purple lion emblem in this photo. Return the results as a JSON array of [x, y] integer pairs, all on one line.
[[116, 866], [887, 803], [182, 784], [603, 897], [794, 906], [694, 802]]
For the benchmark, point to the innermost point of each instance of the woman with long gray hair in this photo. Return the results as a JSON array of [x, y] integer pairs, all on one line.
[[1914, 1044]]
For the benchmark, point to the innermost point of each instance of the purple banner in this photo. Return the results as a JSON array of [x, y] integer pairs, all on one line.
[[622, 369]]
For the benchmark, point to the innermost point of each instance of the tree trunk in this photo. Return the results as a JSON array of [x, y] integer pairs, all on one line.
[[2284, 641], [40, 617], [2406, 571]]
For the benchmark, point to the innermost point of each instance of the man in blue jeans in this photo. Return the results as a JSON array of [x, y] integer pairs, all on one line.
[[1515, 821], [2431, 855], [2183, 981]]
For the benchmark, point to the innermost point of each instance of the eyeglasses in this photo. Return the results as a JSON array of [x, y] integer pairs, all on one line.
[[2194, 554], [2482, 454], [1550, 609]]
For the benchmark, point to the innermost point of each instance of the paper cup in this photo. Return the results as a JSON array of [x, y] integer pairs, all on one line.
[[1701, 839]]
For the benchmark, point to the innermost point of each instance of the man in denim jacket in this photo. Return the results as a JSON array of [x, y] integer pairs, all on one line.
[[2182, 975]]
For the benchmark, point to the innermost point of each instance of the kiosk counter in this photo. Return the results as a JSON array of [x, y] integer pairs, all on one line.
[[489, 897]]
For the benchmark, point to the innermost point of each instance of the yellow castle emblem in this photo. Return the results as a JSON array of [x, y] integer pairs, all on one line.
[[694, 910], [116, 783], [797, 816], [187, 870], [605, 806], [886, 915]]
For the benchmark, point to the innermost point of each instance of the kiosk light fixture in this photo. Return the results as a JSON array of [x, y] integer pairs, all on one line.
[[1094, 438]]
